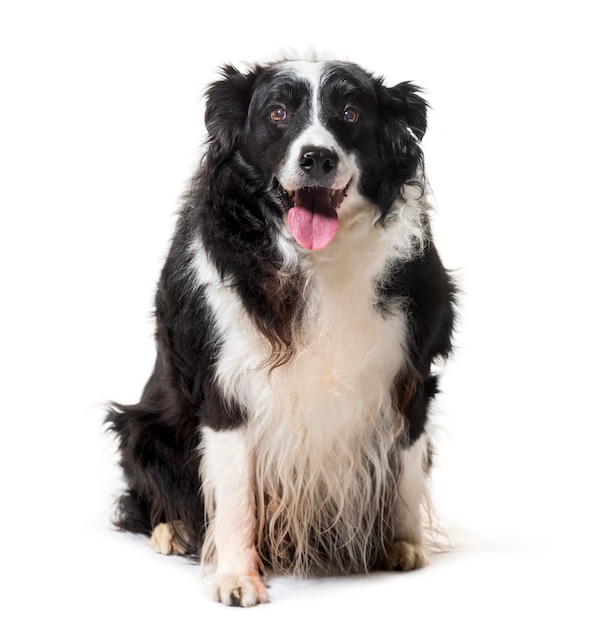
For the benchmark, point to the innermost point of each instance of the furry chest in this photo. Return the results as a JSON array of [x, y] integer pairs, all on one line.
[[346, 356]]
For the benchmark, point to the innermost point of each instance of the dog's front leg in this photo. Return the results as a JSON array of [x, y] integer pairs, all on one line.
[[407, 551], [227, 476]]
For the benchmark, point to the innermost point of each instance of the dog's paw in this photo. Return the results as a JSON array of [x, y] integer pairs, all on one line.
[[163, 539], [239, 590], [405, 556]]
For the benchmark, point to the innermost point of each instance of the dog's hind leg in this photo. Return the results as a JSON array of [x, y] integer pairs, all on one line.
[[162, 484], [165, 538]]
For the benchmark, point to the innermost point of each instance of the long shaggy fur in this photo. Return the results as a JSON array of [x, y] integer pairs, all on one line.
[[285, 420]]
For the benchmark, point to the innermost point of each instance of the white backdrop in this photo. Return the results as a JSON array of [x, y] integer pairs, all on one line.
[[100, 127]]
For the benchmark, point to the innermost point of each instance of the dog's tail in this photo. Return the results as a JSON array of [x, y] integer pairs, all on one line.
[[162, 482], [133, 509]]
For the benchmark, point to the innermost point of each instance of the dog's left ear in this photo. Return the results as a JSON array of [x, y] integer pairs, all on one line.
[[406, 104], [404, 114], [227, 104]]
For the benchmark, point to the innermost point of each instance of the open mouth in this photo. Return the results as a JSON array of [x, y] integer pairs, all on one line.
[[312, 214]]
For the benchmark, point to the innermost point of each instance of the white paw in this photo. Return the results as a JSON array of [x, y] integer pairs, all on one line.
[[239, 589], [405, 556], [164, 541]]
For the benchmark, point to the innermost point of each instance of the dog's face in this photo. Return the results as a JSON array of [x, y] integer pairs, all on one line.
[[317, 133]]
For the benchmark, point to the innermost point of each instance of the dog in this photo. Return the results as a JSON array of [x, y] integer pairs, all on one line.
[[299, 314]]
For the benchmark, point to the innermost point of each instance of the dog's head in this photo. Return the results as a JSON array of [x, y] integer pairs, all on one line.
[[321, 137]]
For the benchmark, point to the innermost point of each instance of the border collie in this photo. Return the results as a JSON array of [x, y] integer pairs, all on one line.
[[298, 317]]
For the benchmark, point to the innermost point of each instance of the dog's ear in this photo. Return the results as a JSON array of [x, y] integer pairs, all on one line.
[[406, 104], [227, 104], [404, 113]]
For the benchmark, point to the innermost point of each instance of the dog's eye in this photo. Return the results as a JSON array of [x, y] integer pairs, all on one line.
[[278, 115], [350, 116]]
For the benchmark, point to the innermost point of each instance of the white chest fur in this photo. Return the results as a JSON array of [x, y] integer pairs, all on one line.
[[346, 353], [322, 427]]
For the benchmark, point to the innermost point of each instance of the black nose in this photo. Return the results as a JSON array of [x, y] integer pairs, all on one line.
[[318, 162]]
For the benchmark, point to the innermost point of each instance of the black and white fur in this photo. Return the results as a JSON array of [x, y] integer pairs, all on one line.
[[285, 422]]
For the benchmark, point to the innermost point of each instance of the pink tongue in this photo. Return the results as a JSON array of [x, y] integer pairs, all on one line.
[[312, 230]]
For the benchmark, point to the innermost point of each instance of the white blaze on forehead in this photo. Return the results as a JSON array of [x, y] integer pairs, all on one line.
[[310, 71], [315, 133]]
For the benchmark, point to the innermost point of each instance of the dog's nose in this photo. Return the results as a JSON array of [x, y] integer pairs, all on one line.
[[318, 162]]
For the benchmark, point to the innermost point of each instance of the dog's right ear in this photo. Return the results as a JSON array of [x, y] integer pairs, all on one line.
[[227, 104]]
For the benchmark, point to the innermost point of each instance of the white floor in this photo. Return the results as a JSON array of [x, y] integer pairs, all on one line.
[[100, 122], [517, 566]]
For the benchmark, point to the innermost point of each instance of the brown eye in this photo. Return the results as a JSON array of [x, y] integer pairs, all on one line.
[[278, 115], [350, 116]]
